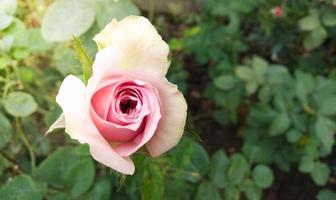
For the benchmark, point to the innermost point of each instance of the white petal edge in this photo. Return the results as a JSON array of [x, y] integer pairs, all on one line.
[[71, 98], [141, 45], [171, 125], [59, 123]]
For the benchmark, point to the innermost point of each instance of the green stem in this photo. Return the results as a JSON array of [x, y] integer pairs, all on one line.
[[27, 144], [13, 162]]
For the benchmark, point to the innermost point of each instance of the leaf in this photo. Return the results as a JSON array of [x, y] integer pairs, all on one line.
[[279, 124], [109, 10], [232, 193], [152, 187], [251, 87], [315, 38], [206, 190], [245, 73], [84, 59], [225, 82], [262, 176], [20, 104], [252, 192], [65, 18], [329, 17], [328, 107], [320, 174], [56, 166], [306, 164], [259, 66], [101, 190], [79, 177], [326, 194], [237, 170], [218, 166], [325, 128], [6, 130], [22, 187], [293, 135], [309, 22]]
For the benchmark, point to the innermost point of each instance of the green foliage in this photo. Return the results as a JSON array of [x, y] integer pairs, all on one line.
[[62, 21], [23, 187], [20, 104], [269, 82]]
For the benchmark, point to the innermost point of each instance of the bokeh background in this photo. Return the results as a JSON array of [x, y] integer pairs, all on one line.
[[259, 77]]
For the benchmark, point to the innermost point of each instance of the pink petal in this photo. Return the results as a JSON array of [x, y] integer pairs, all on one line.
[[71, 98]]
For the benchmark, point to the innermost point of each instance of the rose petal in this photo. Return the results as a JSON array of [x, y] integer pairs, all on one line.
[[71, 98], [171, 125], [151, 123], [59, 123], [140, 44]]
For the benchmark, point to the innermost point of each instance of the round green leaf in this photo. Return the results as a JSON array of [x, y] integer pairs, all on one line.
[[65, 18], [101, 190], [320, 174], [315, 38], [293, 135], [309, 22], [225, 82], [80, 176], [6, 130], [263, 176], [280, 124], [207, 190], [326, 195], [329, 18], [114, 9], [245, 73], [238, 169], [306, 164], [22, 187], [252, 192], [20, 104], [218, 166]]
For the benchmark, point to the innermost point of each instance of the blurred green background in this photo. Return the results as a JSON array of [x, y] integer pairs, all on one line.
[[259, 77]]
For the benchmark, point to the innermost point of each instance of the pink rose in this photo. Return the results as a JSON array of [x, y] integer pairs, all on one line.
[[128, 103]]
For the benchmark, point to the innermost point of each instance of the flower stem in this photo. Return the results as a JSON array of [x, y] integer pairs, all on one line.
[[27, 144]]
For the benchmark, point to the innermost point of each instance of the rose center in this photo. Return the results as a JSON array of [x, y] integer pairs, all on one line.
[[127, 105]]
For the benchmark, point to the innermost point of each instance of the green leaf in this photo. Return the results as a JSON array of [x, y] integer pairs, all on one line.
[[259, 66], [152, 187], [238, 169], [306, 164], [225, 82], [109, 10], [22, 187], [101, 190], [84, 59], [326, 195], [65, 18], [309, 22], [279, 124], [206, 190], [293, 135], [54, 168], [252, 191], [328, 106], [218, 166], [325, 129], [315, 38], [251, 87], [263, 176], [329, 17], [245, 73], [36, 43], [79, 177], [20, 104], [232, 193], [6, 130], [320, 174]]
